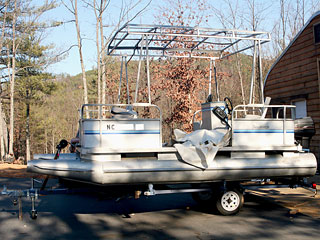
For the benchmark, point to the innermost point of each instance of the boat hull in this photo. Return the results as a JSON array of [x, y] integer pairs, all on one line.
[[174, 171]]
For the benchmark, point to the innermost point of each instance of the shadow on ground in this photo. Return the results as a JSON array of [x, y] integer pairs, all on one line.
[[175, 216]]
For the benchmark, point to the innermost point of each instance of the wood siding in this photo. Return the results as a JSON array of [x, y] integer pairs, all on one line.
[[295, 76]]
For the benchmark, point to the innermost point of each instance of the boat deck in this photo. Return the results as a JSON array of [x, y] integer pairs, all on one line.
[[172, 149]]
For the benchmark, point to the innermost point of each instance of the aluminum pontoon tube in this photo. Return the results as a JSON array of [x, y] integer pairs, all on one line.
[[173, 171]]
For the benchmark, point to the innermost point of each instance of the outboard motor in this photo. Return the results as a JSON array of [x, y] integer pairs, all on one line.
[[304, 130]]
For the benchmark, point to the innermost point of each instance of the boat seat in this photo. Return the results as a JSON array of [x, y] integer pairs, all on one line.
[[123, 113]]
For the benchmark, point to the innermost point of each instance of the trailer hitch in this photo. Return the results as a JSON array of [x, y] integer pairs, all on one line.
[[16, 196]]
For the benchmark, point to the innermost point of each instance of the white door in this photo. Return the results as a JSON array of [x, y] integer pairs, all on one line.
[[301, 108]]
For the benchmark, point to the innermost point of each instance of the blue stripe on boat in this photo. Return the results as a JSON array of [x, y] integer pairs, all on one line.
[[261, 131], [211, 108]]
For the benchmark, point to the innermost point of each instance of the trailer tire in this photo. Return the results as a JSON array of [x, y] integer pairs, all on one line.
[[229, 202]]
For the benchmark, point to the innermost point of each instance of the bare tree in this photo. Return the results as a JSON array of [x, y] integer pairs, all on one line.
[[124, 17], [2, 122], [102, 54], [100, 7], [84, 79], [74, 10], [314, 6], [256, 12], [12, 78], [99, 10], [231, 17], [292, 17], [179, 83], [297, 13], [97, 15], [283, 19]]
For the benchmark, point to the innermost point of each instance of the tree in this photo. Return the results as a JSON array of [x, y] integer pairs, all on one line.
[[182, 80], [74, 11], [3, 140], [99, 9], [22, 22], [56, 115], [231, 18], [104, 4], [32, 87], [291, 19], [128, 12], [12, 75]]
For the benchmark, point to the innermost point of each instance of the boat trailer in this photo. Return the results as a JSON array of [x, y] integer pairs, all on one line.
[[202, 195]]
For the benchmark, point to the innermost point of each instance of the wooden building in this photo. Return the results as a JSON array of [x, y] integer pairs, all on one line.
[[294, 78]]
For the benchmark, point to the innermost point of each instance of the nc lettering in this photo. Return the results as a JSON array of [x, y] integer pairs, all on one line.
[[110, 127]]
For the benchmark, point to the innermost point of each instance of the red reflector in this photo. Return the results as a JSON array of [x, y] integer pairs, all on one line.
[[314, 185]]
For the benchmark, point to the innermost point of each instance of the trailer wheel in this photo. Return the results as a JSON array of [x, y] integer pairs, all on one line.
[[229, 202]]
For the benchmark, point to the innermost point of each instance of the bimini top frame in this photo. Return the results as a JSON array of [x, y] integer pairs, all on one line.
[[144, 41], [172, 41]]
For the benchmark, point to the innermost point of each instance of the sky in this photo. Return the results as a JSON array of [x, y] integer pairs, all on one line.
[[65, 36]]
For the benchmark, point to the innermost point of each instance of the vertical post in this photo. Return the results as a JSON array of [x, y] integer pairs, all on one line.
[[100, 114], [46, 141], [53, 145], [148, 70], [216, 80], [138, 74], [20, 205], [253, 74], [119, 91], [210, 76], [33, 207], [100, 132], [127, 81], [260, 73], [284, 125], [27, 127]]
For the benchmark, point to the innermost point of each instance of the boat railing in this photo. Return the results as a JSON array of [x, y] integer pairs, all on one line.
[[254, 126], [259, 111], [104, 111], [114, 126]]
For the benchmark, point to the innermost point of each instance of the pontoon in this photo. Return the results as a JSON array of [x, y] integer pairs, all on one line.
[[117, 146]]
